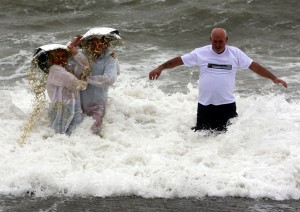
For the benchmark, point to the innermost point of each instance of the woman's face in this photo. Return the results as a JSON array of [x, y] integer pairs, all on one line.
[[60, 57]]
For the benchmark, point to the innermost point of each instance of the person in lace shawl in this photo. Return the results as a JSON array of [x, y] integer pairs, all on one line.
[[63, 89]]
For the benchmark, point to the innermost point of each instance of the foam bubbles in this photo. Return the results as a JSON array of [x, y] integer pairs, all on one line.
[[146, 148]]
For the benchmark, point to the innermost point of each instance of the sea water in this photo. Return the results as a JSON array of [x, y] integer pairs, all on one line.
[[145, 147]]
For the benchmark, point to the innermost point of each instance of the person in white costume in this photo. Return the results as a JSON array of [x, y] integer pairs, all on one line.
[[62, 86], [96, 44], [218, 64]]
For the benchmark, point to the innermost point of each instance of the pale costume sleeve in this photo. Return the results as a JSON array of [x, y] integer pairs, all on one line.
[[58, 76], [65, 111], [107, 79], [81, 64]]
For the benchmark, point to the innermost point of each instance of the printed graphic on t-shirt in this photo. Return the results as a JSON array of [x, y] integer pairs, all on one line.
[[219, 66]]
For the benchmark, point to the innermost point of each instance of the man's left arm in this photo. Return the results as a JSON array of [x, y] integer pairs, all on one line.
[[258, 69]]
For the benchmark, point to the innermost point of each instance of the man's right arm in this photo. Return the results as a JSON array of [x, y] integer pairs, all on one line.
[[154, 74]]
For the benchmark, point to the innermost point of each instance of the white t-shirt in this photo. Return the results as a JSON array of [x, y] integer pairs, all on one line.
[[217, 72]]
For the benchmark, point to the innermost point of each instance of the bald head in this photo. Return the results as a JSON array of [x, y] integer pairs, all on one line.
[[218, 40], [218, 32]]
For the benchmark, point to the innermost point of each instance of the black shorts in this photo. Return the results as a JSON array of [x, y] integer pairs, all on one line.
[[212, 117]]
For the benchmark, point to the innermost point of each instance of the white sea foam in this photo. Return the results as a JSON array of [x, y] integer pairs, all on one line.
[[146, 148]]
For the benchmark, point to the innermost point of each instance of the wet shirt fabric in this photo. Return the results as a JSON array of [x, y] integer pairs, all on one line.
[[217, 72], [63, 90], [94, 98]]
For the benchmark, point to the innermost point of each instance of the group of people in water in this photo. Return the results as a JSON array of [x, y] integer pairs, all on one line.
[[80, 73], [78, 77]]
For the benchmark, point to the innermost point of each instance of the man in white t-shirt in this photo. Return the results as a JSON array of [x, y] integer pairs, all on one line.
[[218, 64]]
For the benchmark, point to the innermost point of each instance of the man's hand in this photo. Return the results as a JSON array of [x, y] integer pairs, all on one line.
[[154, 74], [280, 81]]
